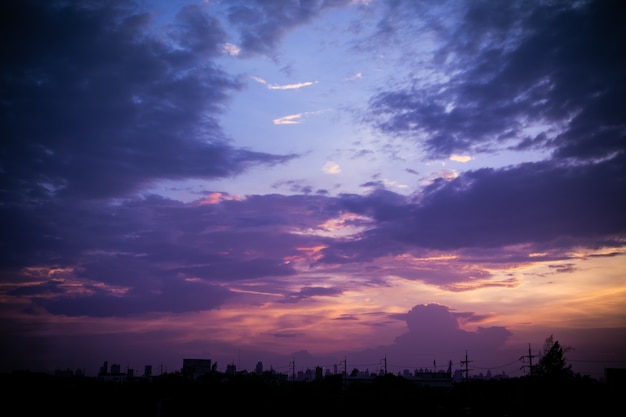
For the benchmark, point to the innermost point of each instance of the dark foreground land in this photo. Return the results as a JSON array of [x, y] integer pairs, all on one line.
[[34, 394]]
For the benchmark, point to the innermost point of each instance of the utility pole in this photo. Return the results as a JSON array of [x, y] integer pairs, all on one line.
[[468, 385], [466, 363], [530, 361]]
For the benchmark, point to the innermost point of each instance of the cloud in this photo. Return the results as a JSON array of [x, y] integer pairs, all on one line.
[[291, 119], [231, 49], [445, 333], [175, 297], [310, 292], [263, 24], [460, 158], [283, 87], [435, 337], [291, 86], [131, 111], [543, 205], [131, 252], [523, 75], [356, 76], [294, 119], [331, 167], [134, 253]]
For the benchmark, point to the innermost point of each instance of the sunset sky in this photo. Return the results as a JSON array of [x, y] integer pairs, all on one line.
[[312, 183]]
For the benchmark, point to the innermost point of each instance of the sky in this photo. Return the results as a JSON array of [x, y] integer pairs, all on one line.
[[367, 184]]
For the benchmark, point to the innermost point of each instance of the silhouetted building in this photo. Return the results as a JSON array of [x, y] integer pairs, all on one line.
[[259, 367], [104, 369], [231, 369], [115, 375], [319, 373], [193, 368]]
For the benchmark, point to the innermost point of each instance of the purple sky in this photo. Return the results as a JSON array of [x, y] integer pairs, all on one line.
[[312, 182]]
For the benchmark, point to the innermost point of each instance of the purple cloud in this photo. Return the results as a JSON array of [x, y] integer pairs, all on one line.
[[172, 296], [310, 292], [262, 24], [557, 66], [541, 204], [95, 105]]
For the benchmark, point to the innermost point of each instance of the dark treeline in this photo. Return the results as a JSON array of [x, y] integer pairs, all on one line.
[[38, 394]]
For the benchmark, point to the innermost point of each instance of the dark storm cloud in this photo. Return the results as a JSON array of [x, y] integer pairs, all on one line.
[[96, 105], [176, 296], [541, 204], [262, 23], [159, 252], [160, 230], [558, 66], [39, 289], [532, 203], [309, 292]]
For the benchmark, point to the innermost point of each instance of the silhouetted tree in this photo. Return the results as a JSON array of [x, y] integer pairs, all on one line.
[[552, 364]]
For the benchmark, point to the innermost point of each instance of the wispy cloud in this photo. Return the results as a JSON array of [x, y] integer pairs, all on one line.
[[460, 158], [294, 119], [283, 87], [354, 77], [231, 49]]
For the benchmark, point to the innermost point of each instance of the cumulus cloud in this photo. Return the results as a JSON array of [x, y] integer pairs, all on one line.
[[435, 337], [444, 328]]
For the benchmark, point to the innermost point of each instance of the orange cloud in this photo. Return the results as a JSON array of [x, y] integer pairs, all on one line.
[[215, 198]]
